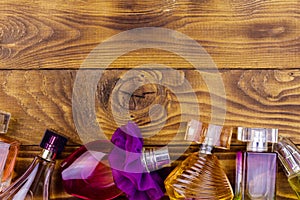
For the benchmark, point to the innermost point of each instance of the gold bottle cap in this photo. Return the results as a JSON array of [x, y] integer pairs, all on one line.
[[209, 134]]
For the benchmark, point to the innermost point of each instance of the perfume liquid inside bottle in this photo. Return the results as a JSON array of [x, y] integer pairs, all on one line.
[[200, 175], [256, 168], [259, 173], [87, 174], [8, 152]]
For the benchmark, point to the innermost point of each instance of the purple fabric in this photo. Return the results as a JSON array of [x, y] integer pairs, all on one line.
[[127, 169]]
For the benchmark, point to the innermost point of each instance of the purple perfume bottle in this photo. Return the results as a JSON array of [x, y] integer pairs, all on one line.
[[256, 168], [35, 182]]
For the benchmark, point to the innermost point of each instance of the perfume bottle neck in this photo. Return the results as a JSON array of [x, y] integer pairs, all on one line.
[[257, 146], [154, 159], [47, 155], [206, 149]]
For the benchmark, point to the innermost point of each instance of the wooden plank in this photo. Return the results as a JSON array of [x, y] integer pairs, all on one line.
[[237, 34], [40, 99], [227, 160]]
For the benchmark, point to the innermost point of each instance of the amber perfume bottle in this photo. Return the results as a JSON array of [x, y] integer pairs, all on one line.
[[8, 152], [289, 156], [256, 168], [35, 182], [200, 175]]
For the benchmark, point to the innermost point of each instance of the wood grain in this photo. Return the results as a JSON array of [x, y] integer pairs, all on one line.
[[254, 44], [40, 99], [237, 34]]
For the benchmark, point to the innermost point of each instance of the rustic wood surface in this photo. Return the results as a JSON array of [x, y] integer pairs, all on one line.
[[237, 34], [254, 45], [40, 99]]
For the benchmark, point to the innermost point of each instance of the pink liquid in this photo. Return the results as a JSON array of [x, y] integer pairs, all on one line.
[[89, 176]]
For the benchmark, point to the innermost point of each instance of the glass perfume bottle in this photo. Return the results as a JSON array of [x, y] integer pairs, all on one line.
[[35, 182], [200, 175], [87, 174], [256, 168], [8, 152], [289, 156]]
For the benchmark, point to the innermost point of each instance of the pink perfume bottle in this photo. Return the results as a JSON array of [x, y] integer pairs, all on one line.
[[256, 168], [87, 173], [35, 182], [8, 152]]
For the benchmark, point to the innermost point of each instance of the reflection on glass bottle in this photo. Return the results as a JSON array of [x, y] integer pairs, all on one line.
[[86, 173], [8, 152], [200, 175], [289, 156], [35, 182], [256, 168]]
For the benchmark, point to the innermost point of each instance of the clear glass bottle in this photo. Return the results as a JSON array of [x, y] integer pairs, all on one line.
[[35, 182], [200, 175], [256, 168], [86, 173], [8, 152], [289, 156]]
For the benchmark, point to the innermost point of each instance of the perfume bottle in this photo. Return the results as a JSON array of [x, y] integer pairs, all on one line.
[[8, 152], [256, 168], [87, 173], [35, 182], [289, 156], [200, 175]]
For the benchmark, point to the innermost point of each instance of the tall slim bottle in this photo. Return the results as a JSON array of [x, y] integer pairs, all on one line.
[[35, 182], [200, 175], [256, 168], [289, 156], [8, 152]]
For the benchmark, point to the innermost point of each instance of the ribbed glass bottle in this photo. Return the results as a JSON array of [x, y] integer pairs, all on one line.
[[35, 182], [200, 175]]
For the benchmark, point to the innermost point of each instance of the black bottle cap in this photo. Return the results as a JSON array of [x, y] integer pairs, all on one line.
[[53, 142]]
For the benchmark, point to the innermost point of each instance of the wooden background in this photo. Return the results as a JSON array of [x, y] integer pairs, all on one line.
[[254, 44]]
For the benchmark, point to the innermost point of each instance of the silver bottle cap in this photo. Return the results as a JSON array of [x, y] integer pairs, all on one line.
[[257, 138], [155, 158], [289, 156], [4, 121]]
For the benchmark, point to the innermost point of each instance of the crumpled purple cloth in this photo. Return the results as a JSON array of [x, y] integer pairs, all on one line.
[[127, 168]]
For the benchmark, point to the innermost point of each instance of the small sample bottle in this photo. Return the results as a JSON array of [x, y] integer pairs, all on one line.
[[289, 156], [256, 168], [87, 174], [35, 182], [200, 175], [8, 152]]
